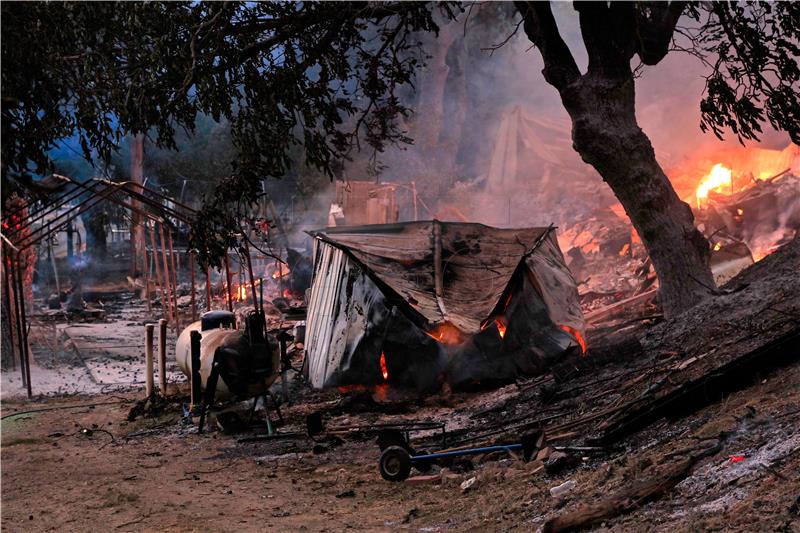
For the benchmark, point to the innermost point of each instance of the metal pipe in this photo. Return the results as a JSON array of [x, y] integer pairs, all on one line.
[[166, 271], [17, 316], [195, 368], [159, 278], [148, 360], [252, 278], [7, 304], [174, 282], [162, 357], [146, 272], [55, 270], [24, 331], [208, 288], [228, 277], [194, 284]]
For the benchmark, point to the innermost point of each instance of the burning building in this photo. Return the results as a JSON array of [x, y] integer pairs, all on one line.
[[417, 304]]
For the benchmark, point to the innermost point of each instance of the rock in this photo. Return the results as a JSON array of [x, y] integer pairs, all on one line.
[[560, 490], [468, 484]]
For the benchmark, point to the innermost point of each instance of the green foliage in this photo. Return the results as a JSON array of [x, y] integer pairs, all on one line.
[[323, 75], [752, 50]]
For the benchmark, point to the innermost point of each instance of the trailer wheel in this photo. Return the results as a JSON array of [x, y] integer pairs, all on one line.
[[395, 464]]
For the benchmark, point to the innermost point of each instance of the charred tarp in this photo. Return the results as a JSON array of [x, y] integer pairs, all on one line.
[[419, 303]]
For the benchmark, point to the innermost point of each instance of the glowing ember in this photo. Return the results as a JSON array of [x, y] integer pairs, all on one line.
[[446, 333], [716, 180], [384, 370], [736, 458], [501, 327], [624, 250], [577, 335]]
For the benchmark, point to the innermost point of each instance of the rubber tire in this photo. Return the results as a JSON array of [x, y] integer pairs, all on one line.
[[395, 464]]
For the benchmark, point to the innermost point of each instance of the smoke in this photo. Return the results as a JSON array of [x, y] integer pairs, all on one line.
[[492, 139]]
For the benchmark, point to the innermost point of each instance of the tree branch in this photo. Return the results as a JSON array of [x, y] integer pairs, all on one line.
[[540, 26], [654, 32]]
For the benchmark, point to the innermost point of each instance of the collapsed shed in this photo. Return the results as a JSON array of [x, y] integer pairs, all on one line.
[[417, 304]]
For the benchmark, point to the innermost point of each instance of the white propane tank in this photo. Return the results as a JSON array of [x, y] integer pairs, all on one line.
[[209, 342]]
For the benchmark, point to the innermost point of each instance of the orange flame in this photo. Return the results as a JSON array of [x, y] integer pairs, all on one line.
[[384, 370], [501, 326], [576, 334], [242, 292], [446, 333], [717, 180]]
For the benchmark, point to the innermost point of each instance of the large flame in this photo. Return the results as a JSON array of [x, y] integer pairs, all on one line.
[[718, 180]]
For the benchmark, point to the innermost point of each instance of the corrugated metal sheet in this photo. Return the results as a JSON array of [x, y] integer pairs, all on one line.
[[322, 353], [477, 262]]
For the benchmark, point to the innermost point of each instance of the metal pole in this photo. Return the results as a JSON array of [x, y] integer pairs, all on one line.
[[208, 288], [146, 272], [159, 278], [148, 360], [194, 285], [252, 278], [194, 340], [55, 270], [24, 333], [162, 357], [18, 319], [166, 271], [174, 282], [228, 277], [7, 304]]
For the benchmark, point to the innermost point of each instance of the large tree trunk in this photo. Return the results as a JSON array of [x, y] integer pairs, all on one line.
[[606, 135]]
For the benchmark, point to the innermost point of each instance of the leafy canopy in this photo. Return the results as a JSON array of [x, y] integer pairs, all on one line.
[[321, 75]]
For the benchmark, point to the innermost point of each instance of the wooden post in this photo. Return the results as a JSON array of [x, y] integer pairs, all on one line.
[[194, 367], [148, 360], [159, 277], [174, 282], [228, 278], [166, 270], [162, 357], [191, 260]]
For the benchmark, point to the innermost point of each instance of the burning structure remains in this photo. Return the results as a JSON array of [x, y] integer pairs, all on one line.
[[419, 304]]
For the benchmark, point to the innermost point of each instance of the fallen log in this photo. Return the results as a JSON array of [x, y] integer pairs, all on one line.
[[628, 498]]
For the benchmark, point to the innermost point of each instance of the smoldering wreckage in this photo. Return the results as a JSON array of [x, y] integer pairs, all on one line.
[[463, 350]]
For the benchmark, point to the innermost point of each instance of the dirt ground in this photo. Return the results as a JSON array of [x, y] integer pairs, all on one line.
[[158, 473]]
